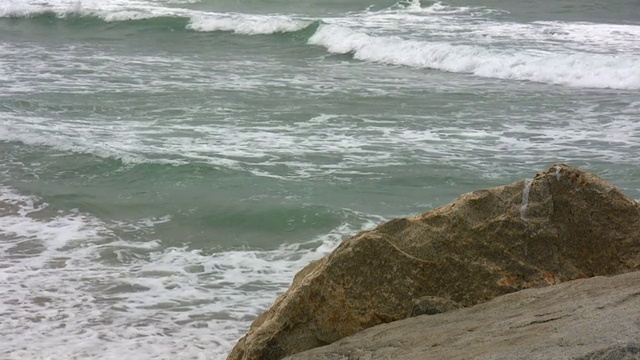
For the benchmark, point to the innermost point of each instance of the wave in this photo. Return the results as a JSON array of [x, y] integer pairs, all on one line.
[[440, 8], [578, 69], [248, 24], [164, 18], [81, 287], [171, 23]]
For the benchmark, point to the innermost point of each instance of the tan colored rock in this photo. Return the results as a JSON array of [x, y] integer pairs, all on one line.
[[564, 224], [588, 319]]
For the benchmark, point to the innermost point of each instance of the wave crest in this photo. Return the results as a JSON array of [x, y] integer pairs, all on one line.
[[578, 69], [248, 24], [201, 21]]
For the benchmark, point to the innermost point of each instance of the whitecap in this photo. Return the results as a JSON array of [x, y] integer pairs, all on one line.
[[577, 69], [247, 24], [75, 287]]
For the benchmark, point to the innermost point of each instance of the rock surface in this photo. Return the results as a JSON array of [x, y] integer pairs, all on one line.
[[589, 319], [563, 224]]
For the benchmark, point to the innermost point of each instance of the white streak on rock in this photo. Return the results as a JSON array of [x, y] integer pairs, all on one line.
[[525, 198]]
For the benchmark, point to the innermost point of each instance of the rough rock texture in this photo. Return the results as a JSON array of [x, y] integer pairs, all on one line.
[[430, 305], [589, 319], [564, 224]]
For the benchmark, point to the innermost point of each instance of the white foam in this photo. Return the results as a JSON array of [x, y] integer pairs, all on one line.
[[273, 148], [80, 145], [74, 287], [438, 8], [525, 198], [572, 69], [618, 37], [456, 26], [247, 24], [73, 7], [123, 10], [557, 168]]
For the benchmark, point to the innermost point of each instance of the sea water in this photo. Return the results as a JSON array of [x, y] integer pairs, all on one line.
[[167, 166]]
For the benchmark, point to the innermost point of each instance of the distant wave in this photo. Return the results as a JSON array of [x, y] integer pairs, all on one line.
[[248, 24], [578, 69], [439, 8], [175, 18], [75, 9], [93, 20]]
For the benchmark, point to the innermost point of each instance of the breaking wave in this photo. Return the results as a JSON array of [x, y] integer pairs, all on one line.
[[77, 286], [578, 69], [167, 18]]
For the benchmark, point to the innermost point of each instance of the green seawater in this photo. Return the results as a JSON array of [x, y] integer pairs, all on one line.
[[167, 166]]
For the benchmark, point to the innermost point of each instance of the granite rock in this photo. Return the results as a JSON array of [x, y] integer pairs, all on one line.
[[561, 225]]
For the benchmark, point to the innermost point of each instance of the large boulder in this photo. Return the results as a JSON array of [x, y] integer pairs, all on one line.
[[588, 319], [563, 224]]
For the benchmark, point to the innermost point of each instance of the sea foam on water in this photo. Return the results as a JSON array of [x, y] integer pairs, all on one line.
[[74, 285]]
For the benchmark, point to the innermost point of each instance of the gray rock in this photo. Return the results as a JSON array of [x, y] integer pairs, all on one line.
[[563, 224], [615, 352], [590, 319]]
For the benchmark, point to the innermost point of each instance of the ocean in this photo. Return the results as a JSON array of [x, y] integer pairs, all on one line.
[[167, 166]]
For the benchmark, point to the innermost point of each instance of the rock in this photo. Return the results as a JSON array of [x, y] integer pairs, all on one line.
[[563, 224], [430, 305], [588, 319]]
